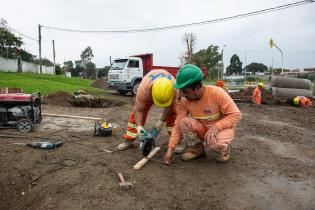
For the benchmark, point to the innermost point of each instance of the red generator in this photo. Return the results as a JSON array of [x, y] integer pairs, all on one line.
[[22, 110]]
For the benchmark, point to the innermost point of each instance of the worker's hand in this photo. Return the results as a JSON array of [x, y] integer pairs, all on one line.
[[168, 157], [141, 132], [159, 125], [211, 135]]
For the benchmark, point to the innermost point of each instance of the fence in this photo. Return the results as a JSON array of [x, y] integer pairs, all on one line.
[[11, 65]]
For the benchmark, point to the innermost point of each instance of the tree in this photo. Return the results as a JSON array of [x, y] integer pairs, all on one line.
[[44, 61], [58, 69], [103, 72], [90, 70], [86, 56], [86, 64], [68, 64], [256, 67], [9, 43], [189, 40], [235, 66], [75, 72], [209, 58], [27, 57]]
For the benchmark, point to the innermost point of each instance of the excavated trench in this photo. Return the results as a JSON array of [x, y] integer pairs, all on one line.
[[65, 99]]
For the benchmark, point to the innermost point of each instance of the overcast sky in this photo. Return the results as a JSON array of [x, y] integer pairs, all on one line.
[[293, 29]]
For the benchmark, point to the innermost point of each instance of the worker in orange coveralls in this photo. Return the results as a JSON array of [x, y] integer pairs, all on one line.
[[206, 111], [302, 101], [221, 84], [256, 97], [155, 88]]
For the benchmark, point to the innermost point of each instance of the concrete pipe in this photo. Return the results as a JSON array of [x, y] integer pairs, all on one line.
[[294, 83], [286, 93]]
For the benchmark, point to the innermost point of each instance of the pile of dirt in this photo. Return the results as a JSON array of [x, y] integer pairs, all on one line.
[[100, 83], [246, 96], [96, 102], [65, 99], [59, 98]]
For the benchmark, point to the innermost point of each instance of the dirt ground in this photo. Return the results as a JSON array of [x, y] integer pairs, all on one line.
[[272, 166]]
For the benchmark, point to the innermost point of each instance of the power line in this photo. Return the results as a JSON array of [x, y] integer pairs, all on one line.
[[258, 12], [268, 51], [62, 40], [69, 44], [21, 34]]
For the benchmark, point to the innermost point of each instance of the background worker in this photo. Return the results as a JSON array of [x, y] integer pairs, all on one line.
[[155, 88], [207, 111], [302, 101], [221, 84], [256, 97]]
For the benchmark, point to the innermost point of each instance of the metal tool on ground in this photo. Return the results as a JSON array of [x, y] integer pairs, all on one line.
[[170, 164], [123, 185], [104, 128], [149, 142], [105, 150], [42, 144], [144, 160]]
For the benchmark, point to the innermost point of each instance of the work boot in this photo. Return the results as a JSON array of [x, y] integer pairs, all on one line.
[[225, 156], [194, 152], [127, 144]]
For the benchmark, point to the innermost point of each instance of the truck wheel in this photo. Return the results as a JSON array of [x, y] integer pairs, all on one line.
[[25, 125], [122, 92], [135, 87]]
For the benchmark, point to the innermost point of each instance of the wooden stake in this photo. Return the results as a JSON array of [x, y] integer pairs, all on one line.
[[144, 160], [70, 116]]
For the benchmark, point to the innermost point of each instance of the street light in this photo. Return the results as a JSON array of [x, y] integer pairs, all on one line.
[[271, 44], [222, 70]]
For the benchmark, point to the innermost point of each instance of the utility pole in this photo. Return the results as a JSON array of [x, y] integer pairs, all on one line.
[[40, 48], [221, 71], [54, 56], [272, 66]]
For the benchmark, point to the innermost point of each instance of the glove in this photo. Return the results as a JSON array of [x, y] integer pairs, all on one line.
[[159, 125], [141, 133]]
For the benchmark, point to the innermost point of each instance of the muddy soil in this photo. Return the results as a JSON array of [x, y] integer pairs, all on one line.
[[100, 83], [65, 99], [272, 166]]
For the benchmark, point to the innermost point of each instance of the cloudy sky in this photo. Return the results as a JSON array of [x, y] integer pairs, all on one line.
[[293, 29]]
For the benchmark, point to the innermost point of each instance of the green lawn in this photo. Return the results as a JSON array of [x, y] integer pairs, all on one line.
[[47, 84]]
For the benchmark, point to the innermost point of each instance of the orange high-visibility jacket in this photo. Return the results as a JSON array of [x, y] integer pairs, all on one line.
[[256, 98], [215, 107]]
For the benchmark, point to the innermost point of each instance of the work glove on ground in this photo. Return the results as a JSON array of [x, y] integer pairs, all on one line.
[[159, 125], [141, 133]]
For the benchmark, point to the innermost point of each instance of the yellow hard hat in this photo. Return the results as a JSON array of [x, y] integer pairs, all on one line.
[[296, 100], [261, 84], [162, 92]]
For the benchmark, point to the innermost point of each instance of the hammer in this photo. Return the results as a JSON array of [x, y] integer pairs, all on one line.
[[123, 185]]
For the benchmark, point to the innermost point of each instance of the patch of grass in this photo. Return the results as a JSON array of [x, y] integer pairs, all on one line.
[[47, 84]]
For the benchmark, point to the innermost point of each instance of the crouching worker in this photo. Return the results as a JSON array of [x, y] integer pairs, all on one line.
[[155, 88], [302, 101], [207, 111]]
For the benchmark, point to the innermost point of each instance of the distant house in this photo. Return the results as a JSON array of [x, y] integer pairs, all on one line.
[[260, 73], [296, 70], [309, 70]]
